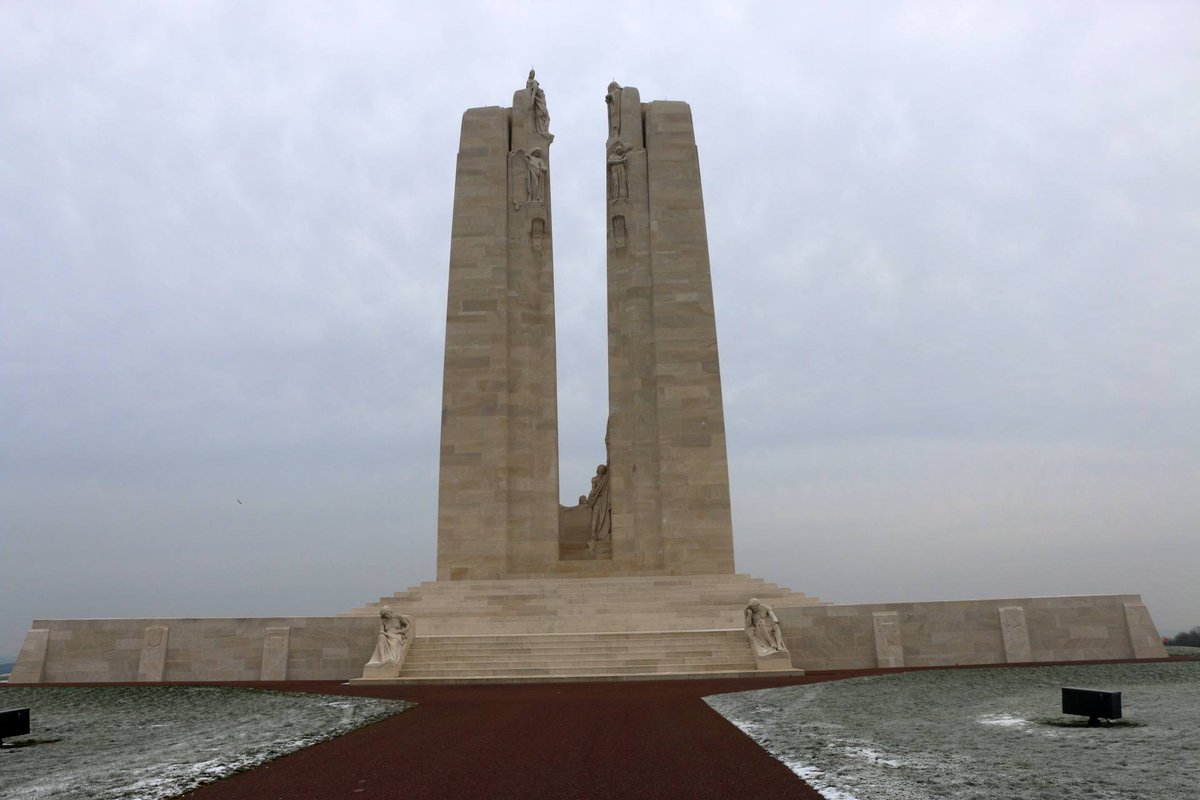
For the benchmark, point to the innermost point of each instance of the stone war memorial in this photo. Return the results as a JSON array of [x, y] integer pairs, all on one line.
[[635, 580]]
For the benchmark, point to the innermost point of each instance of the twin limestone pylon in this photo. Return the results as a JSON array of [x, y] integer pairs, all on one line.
[[661, 503]]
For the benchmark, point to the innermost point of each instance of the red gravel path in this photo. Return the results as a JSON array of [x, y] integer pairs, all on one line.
[[653, 740]]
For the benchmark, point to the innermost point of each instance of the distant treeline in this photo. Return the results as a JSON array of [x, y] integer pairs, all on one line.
[[1186, 639]]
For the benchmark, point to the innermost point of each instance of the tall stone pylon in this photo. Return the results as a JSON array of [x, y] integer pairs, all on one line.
[[668, 469], [661, 503], [498, 482]]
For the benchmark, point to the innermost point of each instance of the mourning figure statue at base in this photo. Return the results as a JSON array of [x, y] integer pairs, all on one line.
[[762, 628], [393, 634]]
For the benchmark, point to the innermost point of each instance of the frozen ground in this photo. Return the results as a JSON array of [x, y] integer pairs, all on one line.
[[983, 734], [102, 743]]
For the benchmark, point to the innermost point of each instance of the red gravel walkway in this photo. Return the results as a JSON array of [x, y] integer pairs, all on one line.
[[653, 741]]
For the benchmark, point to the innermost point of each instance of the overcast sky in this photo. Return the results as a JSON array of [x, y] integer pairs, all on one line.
[[955, 254]]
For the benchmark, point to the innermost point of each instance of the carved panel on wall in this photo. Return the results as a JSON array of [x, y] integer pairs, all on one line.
[[537, 234], [618, 231]]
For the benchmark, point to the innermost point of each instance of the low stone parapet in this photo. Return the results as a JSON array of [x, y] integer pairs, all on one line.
[[194, 650], [954, 632]]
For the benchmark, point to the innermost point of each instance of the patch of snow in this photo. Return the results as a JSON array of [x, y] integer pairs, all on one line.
[[816, 779], [748, 728], [1003, 720], [872, 756]]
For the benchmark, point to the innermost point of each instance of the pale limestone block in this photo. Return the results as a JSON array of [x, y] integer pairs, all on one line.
[[154, 653], [1143, 635], [31, 661], [275, 654], [1015, 634], [889, 649]]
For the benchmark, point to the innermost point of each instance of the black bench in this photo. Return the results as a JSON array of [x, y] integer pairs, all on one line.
[[1093, 704], [14, 722]]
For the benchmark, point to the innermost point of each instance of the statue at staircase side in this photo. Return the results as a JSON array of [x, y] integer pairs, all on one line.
[[762, 629], [391, 645]]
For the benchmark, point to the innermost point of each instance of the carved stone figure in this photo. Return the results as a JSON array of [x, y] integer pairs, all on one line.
[[613, 98], [598, 501], [762, 629], [618, 179], [393, 634], [537, 234], [535, 177], [541, 116]]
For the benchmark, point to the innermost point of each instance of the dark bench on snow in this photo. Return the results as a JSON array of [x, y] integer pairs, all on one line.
[[1092, 703], [14, 722]]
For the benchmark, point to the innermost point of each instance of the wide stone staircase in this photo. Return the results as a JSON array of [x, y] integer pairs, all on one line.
[[613, 628]]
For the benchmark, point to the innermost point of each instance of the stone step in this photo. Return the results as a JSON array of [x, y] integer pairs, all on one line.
[[595, 600], [498, 656], [664, 580], [475, 671], [589, 605], [582, 637], [682, 608], [589, 664], [581, 626], [584, 678], [615, 648], [582, 587], [588, 585], [616, 604], [574, 646], [579, 647]]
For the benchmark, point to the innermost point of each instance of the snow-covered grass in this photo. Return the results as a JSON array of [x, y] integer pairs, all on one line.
[[104, 743], [1179, 650], [983, 734]]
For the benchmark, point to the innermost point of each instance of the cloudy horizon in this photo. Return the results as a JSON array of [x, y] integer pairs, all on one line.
[[954, 256]]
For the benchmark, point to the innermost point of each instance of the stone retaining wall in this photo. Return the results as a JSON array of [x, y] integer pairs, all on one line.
[[212, 649], [1014, 630]]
